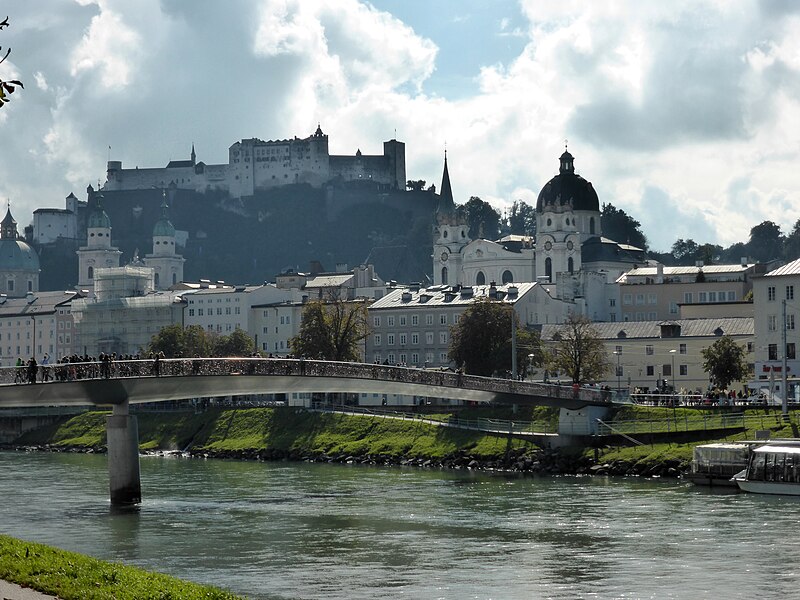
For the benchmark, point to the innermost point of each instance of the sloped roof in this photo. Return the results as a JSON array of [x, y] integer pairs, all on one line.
[[329, 280], [793, 268], [735, 326], [37, 303], [445, 295]]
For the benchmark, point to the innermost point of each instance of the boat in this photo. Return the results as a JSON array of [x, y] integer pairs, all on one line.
[[715, 464], [772, 469]]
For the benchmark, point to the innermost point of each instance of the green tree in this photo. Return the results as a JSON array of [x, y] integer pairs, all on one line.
[[7, 87], [176, 341], [522, 219], [331, 330], [483, 220], [237, 343], [791, 246], [685, 251], [621, 227], [724, 361], [766, 242], [480, 343], [578, 351]]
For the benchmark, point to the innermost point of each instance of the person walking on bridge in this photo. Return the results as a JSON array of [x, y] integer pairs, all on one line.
[[33, 369]]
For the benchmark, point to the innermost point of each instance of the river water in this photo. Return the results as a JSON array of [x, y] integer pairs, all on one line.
[[296, 530]]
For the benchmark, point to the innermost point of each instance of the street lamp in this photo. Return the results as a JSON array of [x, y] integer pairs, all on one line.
[[531, 356], [672, 352], [619, 373]]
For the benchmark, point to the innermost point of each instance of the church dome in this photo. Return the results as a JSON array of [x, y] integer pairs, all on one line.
[[16, 255], [568, 189], [98, 218], [163, 228]]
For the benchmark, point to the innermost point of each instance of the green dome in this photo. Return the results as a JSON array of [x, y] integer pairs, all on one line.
[[98, 218], [16, 255], [163, 228]]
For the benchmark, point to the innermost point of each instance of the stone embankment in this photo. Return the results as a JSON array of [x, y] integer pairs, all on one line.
[[543, 462]]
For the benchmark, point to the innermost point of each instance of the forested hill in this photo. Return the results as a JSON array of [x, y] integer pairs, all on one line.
[[253, 239]]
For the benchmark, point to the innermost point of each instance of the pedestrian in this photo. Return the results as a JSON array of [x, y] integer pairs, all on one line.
[[33, 369]]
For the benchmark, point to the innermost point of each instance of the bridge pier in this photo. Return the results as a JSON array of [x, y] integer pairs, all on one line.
[[122, 433]]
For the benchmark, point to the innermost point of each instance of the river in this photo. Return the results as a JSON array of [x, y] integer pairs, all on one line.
[[296, 530]]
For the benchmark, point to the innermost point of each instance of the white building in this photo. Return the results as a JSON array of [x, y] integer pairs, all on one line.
[[38, 324], [776, 301], [412, 325], [98, 253], [50, 224]]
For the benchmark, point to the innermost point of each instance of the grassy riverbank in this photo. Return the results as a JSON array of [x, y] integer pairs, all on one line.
[[73, 576]]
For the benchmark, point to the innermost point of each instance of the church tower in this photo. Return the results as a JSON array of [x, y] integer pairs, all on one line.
[[98, 253], [166, 264], [449, 236]]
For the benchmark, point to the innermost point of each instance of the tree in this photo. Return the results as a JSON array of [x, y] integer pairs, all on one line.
[[578, 351], [176, 341], [483, 220], [237, 343], [7, 87], [522, 219], [621, 227], [791, 245], [331, 329], [766, 242], [724, 361], [415, 185], [480, 343]]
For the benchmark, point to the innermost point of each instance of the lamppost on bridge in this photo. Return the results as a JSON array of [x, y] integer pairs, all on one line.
[[619, 372]]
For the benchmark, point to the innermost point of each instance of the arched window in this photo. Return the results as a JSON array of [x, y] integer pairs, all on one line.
[[570, 264], [174, 278], [548, 268], [591, 225], [508, 277], [444, 275], [480, 278], [30, 285], [91, 272], [156, 279]]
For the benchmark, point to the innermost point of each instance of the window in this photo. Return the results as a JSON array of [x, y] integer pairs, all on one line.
[[227, 310], [402, 320], [650, 370], [639, 299], [443, 357], [772, 323], [648, 350], [673, 308], [772, 352], [428, 319], [652, 298], [443, 319], [771, 293], [219, 311], [414, 358], [429, 357], [612, 302], [790, 292], [790, 351], [702, 297], [627, 299], [403, 359], [377, 358], [682, 348], [415, 319], [456, 319], [667, 370], [237, 310], [442, 337], [377, 339], [403, 339], [687, 297], [712, 296], [376, 321], [199, 312], [789, 321], [390, 339], [414, 339], [429, 337], [390, 358], [390, 321], [191, 314], [683, 369]]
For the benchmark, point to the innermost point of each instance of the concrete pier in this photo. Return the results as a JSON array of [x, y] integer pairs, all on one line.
[[122, 432]]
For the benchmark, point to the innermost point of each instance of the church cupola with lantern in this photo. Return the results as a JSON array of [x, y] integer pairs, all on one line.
[[167, 265], [98, 253], [19, 263]]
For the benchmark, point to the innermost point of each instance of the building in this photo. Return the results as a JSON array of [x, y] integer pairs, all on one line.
[[777, 316], [569, 250], [124, 313], [52, 224], [98, 253], [645, 353], [254, 164], [411, 325], [657, 293], [167, 264], [19, 263], [39, 323]]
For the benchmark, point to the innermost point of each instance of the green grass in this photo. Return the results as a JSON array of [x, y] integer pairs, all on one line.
[[73, 576]]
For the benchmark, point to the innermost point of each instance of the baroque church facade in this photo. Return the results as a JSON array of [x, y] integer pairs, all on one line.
[[569, 254]]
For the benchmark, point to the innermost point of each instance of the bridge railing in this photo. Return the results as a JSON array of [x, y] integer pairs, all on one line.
[[177, 367]]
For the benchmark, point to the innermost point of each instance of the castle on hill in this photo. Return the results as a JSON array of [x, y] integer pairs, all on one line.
[[254, 165]]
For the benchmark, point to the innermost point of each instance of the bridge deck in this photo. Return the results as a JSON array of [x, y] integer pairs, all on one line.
[[177, 379]]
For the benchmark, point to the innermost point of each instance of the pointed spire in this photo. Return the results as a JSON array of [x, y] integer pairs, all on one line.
[[193, 156], [8, 227], [446, 192]]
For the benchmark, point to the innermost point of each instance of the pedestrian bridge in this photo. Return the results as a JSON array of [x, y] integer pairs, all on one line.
[[122, 383], [140, 381]]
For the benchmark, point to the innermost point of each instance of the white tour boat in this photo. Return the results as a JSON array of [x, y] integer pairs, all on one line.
[[772, 469]]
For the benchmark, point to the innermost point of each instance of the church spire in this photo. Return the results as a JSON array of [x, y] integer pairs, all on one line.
[[446, 203], [8, 227], [193, 156]]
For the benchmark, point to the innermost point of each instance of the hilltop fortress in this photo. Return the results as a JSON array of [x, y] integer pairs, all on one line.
[[254, 164]]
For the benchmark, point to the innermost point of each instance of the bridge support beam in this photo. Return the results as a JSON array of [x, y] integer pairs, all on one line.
[[122, 433]]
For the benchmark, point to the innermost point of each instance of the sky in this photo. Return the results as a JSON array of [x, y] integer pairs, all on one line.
[[684, 114]]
